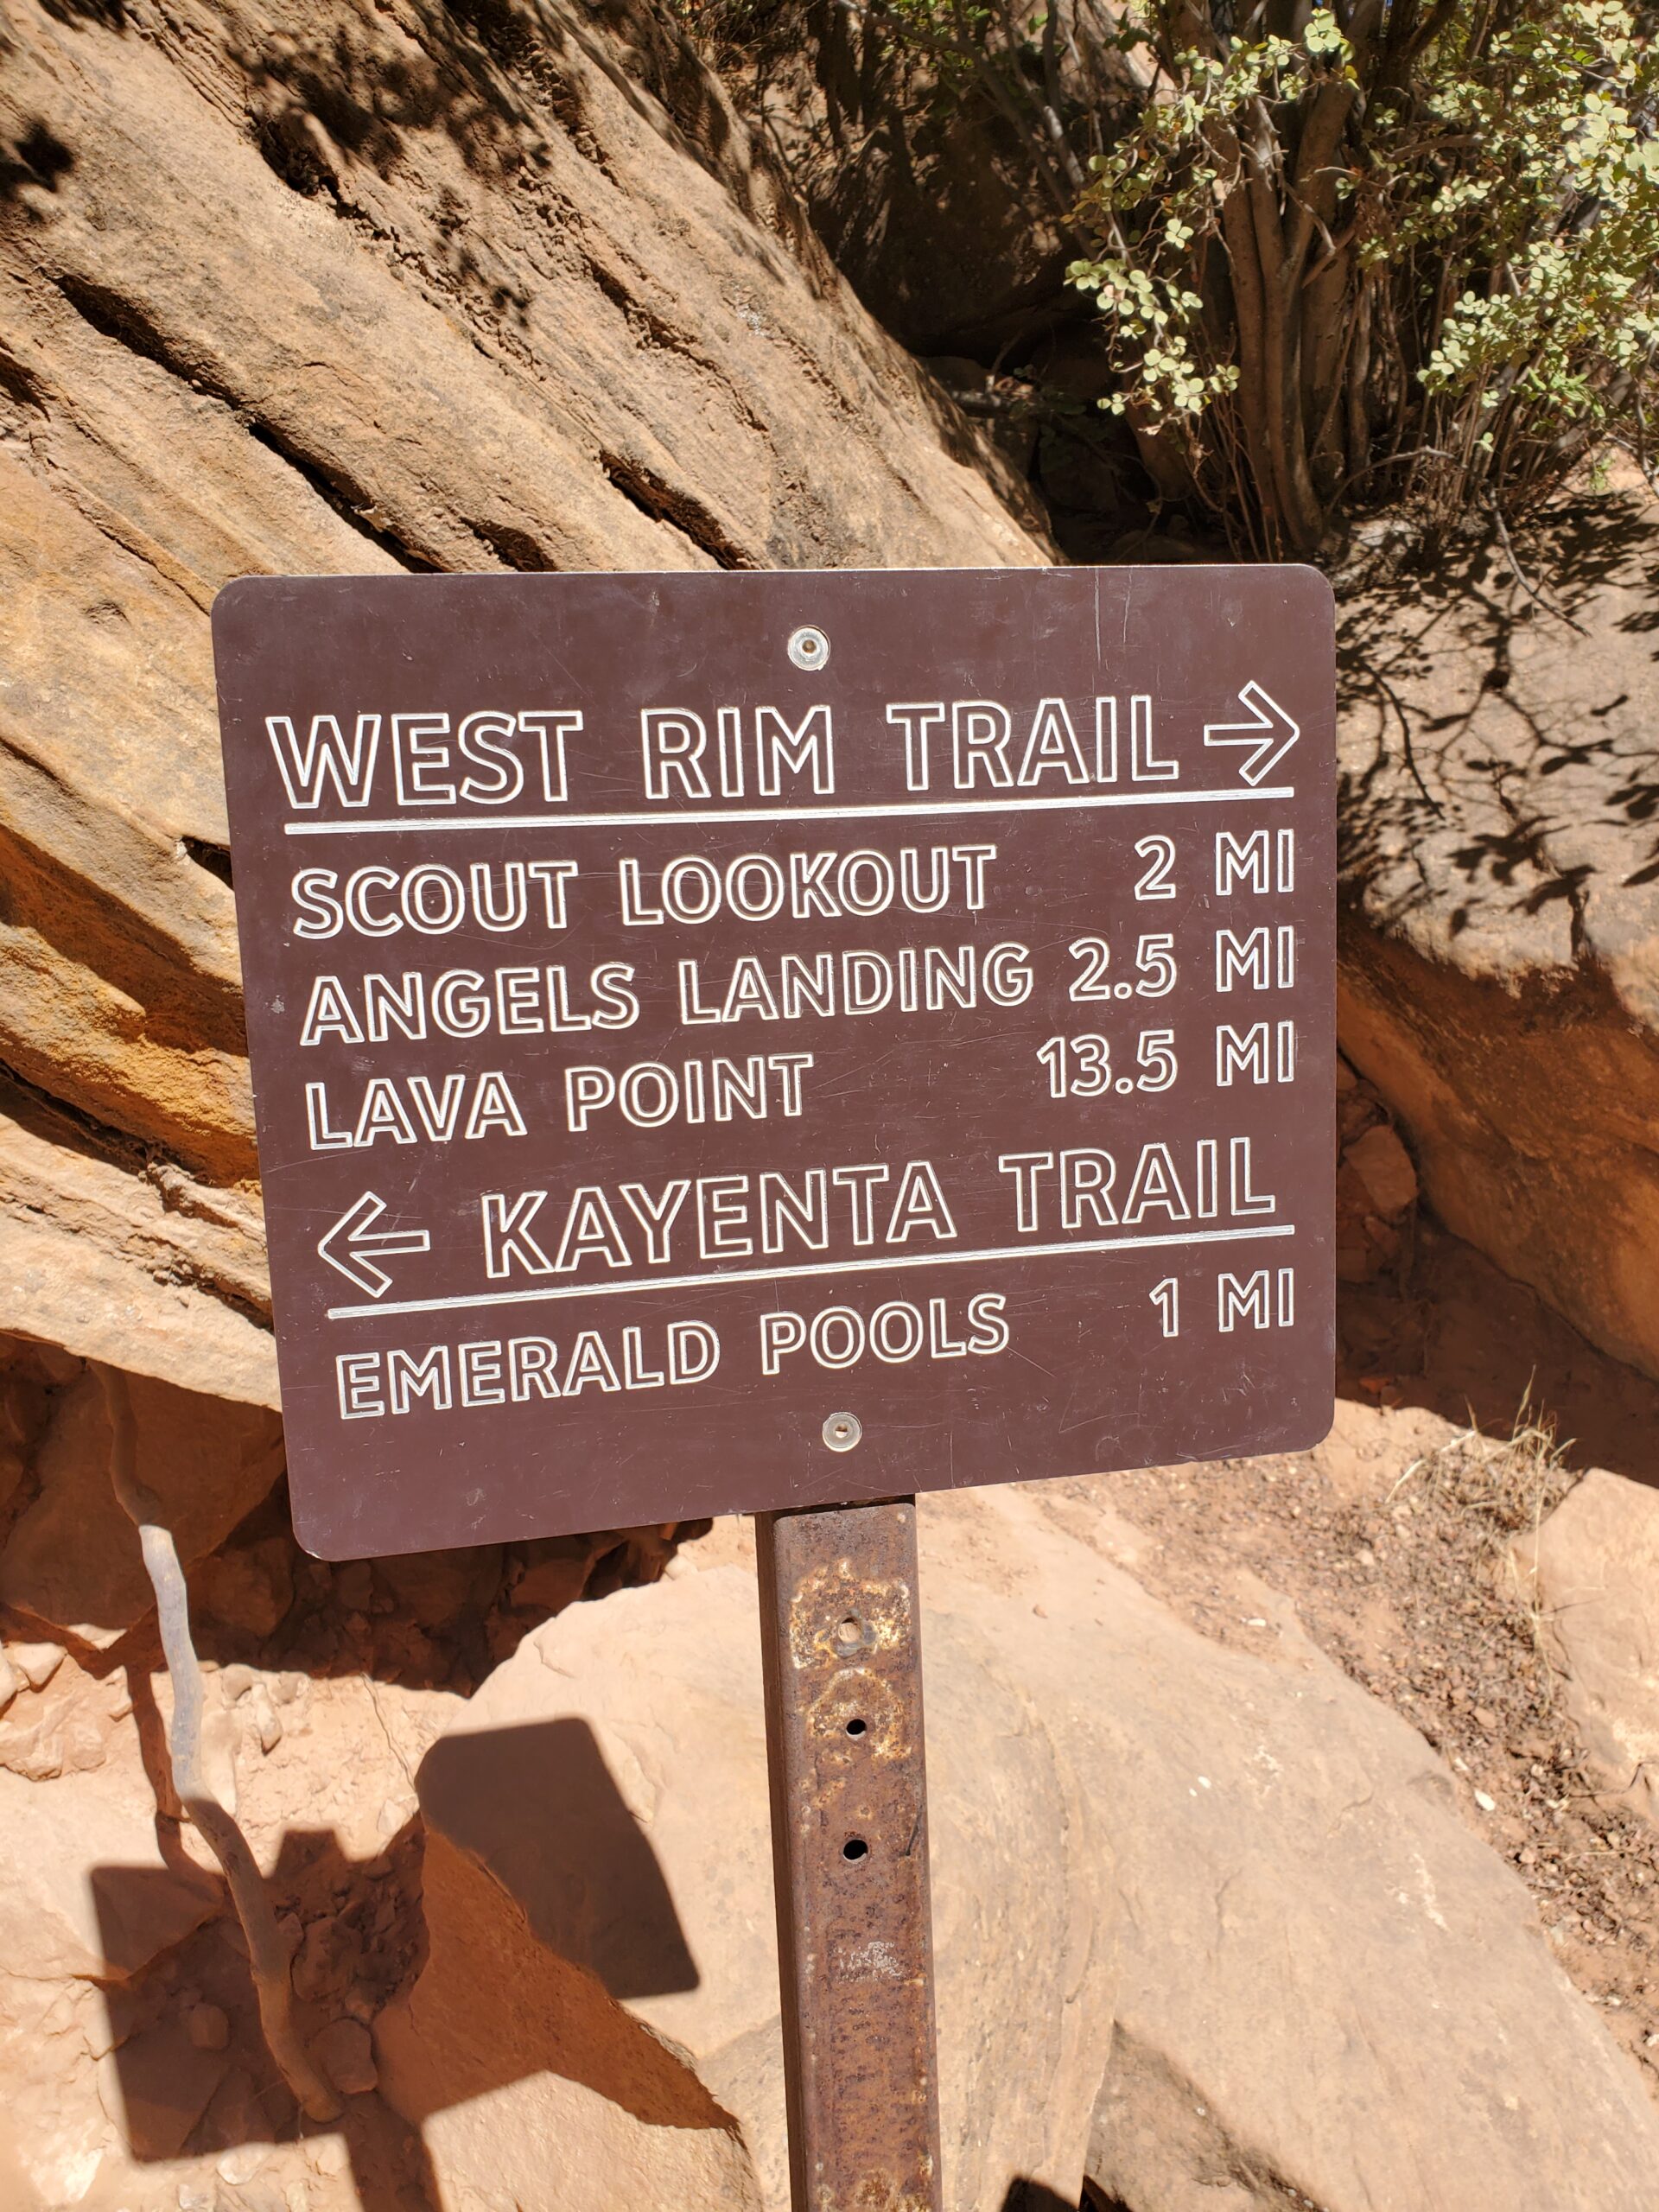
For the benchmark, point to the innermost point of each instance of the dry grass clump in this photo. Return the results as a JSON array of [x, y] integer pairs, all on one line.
[[1497, 1490], [1510, 1483]]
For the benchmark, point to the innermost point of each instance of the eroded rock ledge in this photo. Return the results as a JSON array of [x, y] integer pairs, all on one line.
[[1500, 948]]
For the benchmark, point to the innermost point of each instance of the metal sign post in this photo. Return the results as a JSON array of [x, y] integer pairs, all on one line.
[[841, 1648], [778, 1043]]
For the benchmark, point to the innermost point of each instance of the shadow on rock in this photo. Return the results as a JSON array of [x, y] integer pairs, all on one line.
[[418, 1981], [539, 1804], [188, 2072]]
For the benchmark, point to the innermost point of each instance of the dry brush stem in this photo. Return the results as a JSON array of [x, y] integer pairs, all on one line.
[[1508, 1488], [267, 1953]]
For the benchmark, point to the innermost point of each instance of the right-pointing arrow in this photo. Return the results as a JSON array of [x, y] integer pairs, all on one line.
[[356, 1232], [1269, 734]]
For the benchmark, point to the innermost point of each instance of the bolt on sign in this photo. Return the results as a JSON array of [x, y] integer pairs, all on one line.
[[737, 1041]]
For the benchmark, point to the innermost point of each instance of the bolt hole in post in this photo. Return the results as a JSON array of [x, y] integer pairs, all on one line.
[[857, 1727], [855, 1848], [849, 1632]]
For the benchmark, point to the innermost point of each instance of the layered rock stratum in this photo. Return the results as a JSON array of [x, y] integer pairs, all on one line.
[[347, 289]]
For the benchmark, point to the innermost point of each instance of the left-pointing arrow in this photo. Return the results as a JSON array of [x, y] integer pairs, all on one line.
[[354, 1236]]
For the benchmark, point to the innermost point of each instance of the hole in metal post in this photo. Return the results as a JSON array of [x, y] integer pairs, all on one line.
[[849, 1631], [856, 1727], [855, 1847]]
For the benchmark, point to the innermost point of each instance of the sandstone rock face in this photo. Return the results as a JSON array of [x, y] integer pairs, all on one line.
[[1229, 1892], [71, 1557], [87, 1893], [636, 1838], [1592, 1569], [1500, 955], [131, 1261], [590, 2111], [347, 288]]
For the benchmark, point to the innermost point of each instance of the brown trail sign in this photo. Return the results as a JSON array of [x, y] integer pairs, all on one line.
[[766, 1042], [689, 1010]]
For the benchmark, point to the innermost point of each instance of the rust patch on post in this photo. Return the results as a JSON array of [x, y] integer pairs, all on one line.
[[838, 1611], [842, 1661]]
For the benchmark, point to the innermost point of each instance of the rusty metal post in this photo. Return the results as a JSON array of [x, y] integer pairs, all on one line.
[[840, 1634]]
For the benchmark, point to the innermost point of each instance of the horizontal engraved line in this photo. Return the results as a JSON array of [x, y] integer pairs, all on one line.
[[793, 1274], [399, 823]]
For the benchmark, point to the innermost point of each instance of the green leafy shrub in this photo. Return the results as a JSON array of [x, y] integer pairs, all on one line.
[[1373, 252]]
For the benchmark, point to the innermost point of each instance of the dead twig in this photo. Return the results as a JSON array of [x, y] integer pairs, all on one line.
[[1520, 576], [268, 1957]]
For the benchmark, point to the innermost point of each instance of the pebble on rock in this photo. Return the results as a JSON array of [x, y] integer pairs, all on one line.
[[267, 1726], [345, 2050], [35, 1663]]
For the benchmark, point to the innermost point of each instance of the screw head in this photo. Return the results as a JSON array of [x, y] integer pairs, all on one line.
[[841, 1432], [808, 649]]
